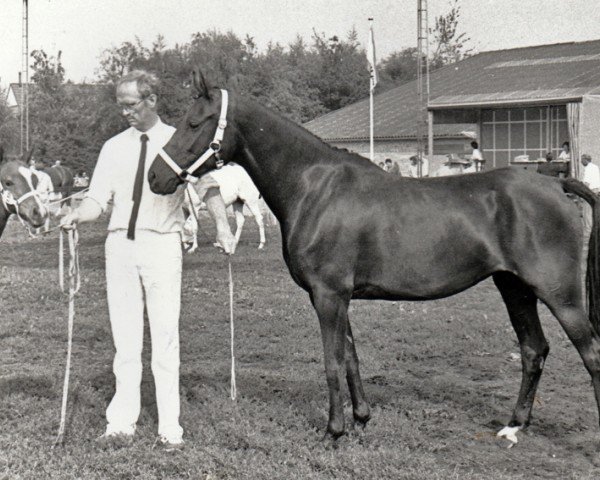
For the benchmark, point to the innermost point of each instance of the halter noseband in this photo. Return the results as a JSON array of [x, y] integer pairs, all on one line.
[[186, 174], [8, 199]]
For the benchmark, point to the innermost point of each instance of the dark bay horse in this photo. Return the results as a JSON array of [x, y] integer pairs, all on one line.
[[62, 181], [18, 194], [350, 230]]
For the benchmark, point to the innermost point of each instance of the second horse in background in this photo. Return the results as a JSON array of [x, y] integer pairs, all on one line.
[[237, 190]]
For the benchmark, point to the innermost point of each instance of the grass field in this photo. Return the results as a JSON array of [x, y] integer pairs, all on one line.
[[442, 378]]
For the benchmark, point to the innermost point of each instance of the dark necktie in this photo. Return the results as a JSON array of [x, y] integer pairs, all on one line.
[[137, 188]]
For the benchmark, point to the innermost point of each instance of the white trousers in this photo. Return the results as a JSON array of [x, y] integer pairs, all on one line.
[[145, 271]]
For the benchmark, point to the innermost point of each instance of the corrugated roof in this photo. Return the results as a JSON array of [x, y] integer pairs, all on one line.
[[555, 73]]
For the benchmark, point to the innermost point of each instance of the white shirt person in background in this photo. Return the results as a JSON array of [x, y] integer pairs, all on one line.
[[414, 167], [565, 153], [591, 173], [143, 260], [591, 177]]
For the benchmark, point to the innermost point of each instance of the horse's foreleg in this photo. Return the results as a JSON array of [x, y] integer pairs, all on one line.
[[258, 217], [521, 304], [360, 407], [332, 311]]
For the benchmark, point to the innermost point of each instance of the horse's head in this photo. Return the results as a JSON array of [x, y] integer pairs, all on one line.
[[17, 188], [203, 139]]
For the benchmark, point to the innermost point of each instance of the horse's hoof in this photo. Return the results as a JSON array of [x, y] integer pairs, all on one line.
[[330, 439], [510, 433], [361, 422], [261, 246]]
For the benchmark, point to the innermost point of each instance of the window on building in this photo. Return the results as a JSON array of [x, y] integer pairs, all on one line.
[[510, 132]]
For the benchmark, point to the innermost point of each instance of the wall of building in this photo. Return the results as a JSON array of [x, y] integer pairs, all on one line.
[[589, 133], [400, 151]]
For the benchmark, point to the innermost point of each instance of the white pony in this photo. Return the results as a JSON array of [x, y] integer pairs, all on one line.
[[237, 190]]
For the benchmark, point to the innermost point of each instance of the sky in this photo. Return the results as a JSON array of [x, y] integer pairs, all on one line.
[[83, 29]]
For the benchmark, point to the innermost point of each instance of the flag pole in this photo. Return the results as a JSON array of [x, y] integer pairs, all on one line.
[[371, 142], [372, 83]]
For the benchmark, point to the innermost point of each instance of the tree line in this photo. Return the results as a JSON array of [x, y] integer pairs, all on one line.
[[69, 122]]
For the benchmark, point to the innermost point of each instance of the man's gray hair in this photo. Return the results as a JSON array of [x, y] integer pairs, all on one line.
[[147, 82]]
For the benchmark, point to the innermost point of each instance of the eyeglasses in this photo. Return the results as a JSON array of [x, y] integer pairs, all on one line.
[[130, 107]]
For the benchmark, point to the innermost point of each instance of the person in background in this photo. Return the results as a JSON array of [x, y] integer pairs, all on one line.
[[591, 173], [565, 152], [414, 167], [382, 165], [143, 260], [591, 178], [476, 154], [476, 157], [549, 168], [392, 167]]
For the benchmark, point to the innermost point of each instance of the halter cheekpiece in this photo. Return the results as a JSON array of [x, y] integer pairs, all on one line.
[[214, 148]]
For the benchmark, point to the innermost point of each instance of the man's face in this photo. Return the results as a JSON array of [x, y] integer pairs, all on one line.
[[139, 112], [585, 161]]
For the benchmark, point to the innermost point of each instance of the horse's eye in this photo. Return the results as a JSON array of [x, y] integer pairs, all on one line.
[[194, 123], [8, 183]]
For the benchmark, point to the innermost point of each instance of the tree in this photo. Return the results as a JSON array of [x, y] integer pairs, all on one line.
[[398, 67], [9, 126], [341, 74], [449, 45]]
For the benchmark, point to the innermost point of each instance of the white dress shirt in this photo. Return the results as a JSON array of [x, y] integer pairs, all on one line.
[[114, 177], [591, 176]]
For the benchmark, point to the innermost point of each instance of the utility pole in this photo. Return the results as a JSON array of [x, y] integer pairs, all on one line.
[[25, 86], [422, 80]]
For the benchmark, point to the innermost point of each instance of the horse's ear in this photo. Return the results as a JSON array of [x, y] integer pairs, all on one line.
[[233, 83], [199, 83], [27, 156]]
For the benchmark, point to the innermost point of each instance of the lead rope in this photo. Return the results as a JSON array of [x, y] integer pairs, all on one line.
[[232, 329], [74, 284], [233, 388]]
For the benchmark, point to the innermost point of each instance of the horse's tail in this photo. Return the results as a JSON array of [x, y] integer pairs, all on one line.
[[592, 280]]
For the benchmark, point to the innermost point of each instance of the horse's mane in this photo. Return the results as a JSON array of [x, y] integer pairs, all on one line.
[[342, 153]]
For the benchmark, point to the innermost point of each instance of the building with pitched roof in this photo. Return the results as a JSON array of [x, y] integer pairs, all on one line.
[[519, 104]]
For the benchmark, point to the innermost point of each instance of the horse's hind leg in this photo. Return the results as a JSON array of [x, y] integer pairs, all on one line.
[[360, 407], [258, 217], [332, 311], [521, 304], [578, 328], [238, 209]]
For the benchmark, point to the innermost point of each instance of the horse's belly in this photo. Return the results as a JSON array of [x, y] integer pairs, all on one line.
[[421, 282]]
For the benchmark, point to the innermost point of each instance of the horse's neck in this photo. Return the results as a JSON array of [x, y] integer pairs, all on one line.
[[276, 153]]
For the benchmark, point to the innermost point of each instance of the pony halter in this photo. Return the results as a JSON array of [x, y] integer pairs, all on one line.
[[9, 200], [214, 148]]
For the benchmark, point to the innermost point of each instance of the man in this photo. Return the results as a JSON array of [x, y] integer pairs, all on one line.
[[414, 167], [476, 158], [391, 167], [591, 177], [549, 168], [143, 260]]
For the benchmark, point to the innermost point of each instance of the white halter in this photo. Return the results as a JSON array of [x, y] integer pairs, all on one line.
[[214, 147]]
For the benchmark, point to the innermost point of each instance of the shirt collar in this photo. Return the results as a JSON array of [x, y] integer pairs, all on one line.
[[151, 132]]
